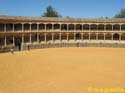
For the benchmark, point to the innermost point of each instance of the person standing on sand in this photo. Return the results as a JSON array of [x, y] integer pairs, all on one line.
[[28, 47], [12, 51]]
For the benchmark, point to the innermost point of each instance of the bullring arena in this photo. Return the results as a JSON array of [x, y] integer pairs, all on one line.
[[66, 55]]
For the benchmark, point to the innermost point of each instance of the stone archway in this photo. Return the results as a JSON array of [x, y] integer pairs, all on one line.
[[116, 36], [78, 36], [93, 36]]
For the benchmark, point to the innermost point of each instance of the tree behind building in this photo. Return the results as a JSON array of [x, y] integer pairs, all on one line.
[[51, 12], [121, 14]]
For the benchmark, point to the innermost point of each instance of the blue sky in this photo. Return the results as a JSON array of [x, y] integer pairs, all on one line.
[[72, 8]]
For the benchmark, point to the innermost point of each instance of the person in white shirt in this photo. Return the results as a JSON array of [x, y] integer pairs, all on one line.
[[11, 50]]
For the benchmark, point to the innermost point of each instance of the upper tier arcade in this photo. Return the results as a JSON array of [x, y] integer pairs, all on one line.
[[18, 23]]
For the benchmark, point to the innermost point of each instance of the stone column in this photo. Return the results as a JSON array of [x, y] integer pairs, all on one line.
[[104, 27], [53, 37], [67, 37], [22, 27], [30, 27], [60, 36], [4, 27], [45, 37], [52, 27], [37, 37], [74, 27], [112, 36], [13, 27], [5, 41], [112, 27], [37, 27], [89, 36], [74, 36], [60, 27], [13, 40], [30, 38], [67, 27], [120, 27], [82, 36], [22, 39], [119, 37], [89, 27], [82, 27], [104, 36], [45, 27], [97, 36], [97, 28]]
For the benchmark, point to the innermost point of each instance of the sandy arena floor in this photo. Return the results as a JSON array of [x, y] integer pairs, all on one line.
[[62, 70]]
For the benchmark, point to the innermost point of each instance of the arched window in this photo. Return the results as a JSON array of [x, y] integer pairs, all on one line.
[[56, 26], [41, 26], [71, 27], [100, 27], [18, 27], [123, 27], [34, 26], [116, 27], [108, 27], [86, 27], [2, 27], [26, 26], [78, 27], [9, 27], [93, 27], [63, 26], [48, 26]]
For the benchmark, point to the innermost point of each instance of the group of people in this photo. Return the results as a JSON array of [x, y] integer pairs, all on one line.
[[12, 49]]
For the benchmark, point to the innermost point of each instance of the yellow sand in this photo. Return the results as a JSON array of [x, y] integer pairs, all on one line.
[[62, 70]]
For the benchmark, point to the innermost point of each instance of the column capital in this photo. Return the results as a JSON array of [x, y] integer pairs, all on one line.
[[104, 33], [22, 34], [112, 33], [37, 23], [120, 33], [82, 33], [23, 23]]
